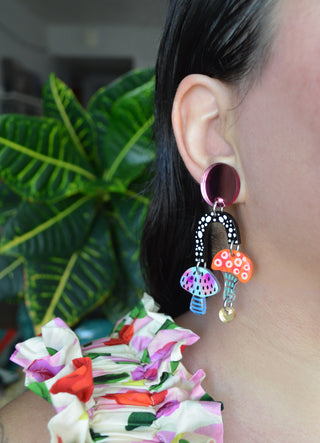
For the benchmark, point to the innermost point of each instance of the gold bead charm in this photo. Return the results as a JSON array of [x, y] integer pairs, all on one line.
[[227, 314]]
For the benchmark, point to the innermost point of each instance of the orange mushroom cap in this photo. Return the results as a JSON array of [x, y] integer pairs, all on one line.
[[235, 263]]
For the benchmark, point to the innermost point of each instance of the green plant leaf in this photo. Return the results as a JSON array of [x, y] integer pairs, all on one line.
[[42, 230], [129, 215], [123, 115], [11, 277], [128, 212], [100, 105], [70, 287], [9, 201], [38, 159], [122, 299], [63, 223], [59, 102]]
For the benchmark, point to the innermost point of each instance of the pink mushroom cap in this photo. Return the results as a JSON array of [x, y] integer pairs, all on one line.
[[235, 263]]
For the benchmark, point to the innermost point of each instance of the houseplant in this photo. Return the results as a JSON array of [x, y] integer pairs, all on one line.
[[71, 202]]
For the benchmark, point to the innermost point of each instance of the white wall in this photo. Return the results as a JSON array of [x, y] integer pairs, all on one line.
[[23, 37], [35, 44], [109, 41]]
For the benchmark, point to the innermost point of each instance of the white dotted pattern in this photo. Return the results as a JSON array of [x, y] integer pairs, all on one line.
[[230, 225]]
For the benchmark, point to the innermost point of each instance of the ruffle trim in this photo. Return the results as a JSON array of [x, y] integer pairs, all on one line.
[[129, 387]]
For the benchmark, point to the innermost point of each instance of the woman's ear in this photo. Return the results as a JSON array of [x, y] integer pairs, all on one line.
[[203, 124]]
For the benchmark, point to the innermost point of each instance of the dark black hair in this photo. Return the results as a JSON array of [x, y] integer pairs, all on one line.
[[225, 39]]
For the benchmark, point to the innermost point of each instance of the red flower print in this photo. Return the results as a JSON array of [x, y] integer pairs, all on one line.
[[138, 398], [125, 336], [79, 382]]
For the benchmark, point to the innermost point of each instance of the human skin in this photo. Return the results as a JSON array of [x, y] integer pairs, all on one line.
[[265, 365]]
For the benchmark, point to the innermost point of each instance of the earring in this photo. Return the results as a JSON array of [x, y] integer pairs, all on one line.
[[220, 186]]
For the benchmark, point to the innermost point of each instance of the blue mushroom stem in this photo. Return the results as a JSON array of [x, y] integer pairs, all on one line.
[[230, 282]]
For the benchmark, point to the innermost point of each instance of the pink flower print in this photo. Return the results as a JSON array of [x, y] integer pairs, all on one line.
[[147, 372], [140, 343], [168, 408], [176, 340], [42, 370], [163, 353], [58, 322], [165, 436]]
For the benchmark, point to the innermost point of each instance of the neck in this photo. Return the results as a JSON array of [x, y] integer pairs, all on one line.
[[269, 356]]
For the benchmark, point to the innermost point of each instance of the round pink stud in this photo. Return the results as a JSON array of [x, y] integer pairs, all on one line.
[[220, 182]]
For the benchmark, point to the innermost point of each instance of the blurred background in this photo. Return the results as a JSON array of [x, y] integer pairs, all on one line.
[[87, 43]]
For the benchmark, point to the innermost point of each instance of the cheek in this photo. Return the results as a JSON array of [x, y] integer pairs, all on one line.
[[278, 137], [277, 134], [279, 120], [278, 131]]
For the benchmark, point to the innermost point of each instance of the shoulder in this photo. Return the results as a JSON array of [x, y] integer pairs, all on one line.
[[26, 419]]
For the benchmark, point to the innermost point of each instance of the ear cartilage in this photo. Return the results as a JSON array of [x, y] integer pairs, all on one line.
[[209, 115]]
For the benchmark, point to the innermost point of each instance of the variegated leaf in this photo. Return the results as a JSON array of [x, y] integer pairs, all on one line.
[[129, 214], [60, 102], [39, 230], [123, 113], [9, 202], [70, 287], [38, 159], [11, 276]]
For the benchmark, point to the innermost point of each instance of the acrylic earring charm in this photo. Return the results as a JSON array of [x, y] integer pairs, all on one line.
[[220, 186], [235, 266], [201, 283], [220, 183]]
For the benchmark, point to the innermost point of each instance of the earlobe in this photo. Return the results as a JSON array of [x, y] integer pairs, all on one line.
[[202, 120]]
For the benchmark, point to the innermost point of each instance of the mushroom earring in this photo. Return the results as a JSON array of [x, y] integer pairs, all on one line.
[[220, 186]]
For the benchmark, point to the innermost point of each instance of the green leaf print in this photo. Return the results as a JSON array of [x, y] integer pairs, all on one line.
[[174, 365], [94, 355], [51, 351], [120, 326], [146, 357], [168, 324], [138, 311], [110, 378], [164, 378], [206, 397], [96, 436], [137, 419]]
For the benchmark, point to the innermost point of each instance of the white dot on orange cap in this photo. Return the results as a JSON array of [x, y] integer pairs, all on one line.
[[218, 262]]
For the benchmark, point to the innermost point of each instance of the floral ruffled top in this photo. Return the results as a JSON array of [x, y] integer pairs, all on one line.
[[129, 387]]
